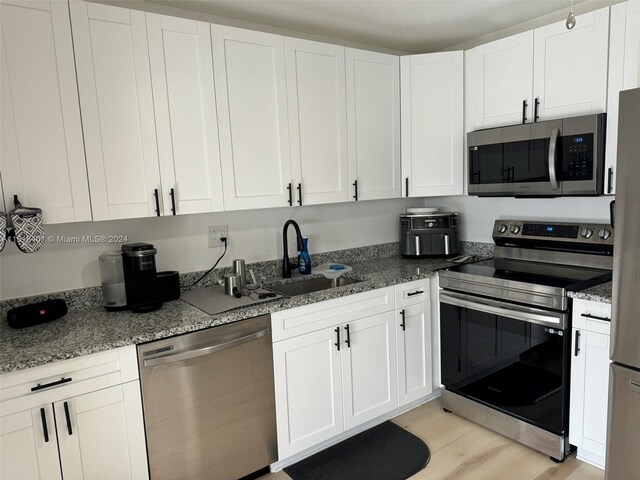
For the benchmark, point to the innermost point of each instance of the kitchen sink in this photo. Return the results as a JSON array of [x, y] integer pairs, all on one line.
[[311, 285]]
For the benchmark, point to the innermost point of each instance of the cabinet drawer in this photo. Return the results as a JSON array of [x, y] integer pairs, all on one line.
[[592, 316], [310, 318], [67, 378], [412, 293]]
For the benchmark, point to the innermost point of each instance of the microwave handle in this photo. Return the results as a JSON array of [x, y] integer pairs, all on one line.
[[553, 144]]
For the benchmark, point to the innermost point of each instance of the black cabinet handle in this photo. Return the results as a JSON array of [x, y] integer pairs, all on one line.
[[612, 213], [610, 180], [300, 194], [348, 339], [595, 317], [406, 186], [337, 344], [402, 324], [290, 195], [524, 110], [577, 345], [45, 430], [355, 184], [68, 418], [157, 199], [52, 384], [535, 110], [417, 292], [172, 194]]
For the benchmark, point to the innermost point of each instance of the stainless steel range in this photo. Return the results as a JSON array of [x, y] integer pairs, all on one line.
[[505, 328]]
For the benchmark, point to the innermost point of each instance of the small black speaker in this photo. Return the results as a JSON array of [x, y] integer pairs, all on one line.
[[36, 313]]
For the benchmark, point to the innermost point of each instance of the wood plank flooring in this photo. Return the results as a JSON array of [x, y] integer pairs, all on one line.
[[462, 450]]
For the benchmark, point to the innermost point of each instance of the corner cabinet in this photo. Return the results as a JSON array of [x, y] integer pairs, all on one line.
[[41, 145], [624, 74], [373, 124], [432, 117], [251, 95], [589, 391], [74, 419], [344, 364]]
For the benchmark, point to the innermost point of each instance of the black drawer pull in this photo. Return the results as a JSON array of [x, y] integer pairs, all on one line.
[[300, 194], [535, 110], [417, 292], [290, 195], [406, 186], [402, 313], [524, 111], [173, 201], [595, 317], [68, 417], [577, 345], [52, 384], [155, 196], [355, 184], [337, 344], [348, 340], [45, 430]]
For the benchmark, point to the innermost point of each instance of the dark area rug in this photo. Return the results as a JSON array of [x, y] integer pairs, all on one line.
[[385, 452]]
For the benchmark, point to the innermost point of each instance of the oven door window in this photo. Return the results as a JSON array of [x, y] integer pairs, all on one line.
[[518, 367]]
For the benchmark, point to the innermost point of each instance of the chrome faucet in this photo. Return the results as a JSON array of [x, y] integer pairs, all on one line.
[[287, 266]]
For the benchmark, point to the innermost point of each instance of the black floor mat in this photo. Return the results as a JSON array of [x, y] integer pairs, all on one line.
[[385, 452]]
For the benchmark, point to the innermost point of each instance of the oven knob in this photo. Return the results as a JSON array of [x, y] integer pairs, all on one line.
[[502, 228], [604, 234], [587, 233], [515, 229]]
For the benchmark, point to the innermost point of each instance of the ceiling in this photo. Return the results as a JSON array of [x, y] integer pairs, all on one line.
[[407, 26]]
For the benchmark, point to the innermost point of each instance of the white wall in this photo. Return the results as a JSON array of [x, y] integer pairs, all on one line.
[[182, 242], [478, 214]]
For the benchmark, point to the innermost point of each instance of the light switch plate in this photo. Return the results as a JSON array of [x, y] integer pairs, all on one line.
[[215, 233]]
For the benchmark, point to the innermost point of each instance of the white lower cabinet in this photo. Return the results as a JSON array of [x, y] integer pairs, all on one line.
[[590, 380], [90, 426], [357, 367]]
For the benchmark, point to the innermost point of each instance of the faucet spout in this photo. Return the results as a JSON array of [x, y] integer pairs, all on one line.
[[286, 263]]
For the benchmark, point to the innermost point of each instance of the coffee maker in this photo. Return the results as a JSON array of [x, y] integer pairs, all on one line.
[[140, 278]]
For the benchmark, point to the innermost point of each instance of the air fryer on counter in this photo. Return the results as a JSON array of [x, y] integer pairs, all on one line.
[[424, 235]]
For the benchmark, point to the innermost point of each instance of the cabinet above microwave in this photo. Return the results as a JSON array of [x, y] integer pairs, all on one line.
[[544, 159]]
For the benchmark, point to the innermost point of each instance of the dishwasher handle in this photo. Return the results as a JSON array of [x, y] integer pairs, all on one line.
[[178, 357]]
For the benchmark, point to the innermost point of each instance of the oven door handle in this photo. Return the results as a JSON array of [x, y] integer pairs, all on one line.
[[526, 314]]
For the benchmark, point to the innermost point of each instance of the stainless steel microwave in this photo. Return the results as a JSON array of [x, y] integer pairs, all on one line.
[[542, 159]]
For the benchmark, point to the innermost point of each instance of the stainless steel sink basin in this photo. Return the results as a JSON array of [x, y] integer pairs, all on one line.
[[311, 285]]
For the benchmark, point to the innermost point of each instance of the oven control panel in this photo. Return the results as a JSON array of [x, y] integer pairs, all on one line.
[[591, 233]]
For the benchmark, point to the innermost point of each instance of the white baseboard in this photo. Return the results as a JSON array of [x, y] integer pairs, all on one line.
[[590, 458], [285, 462]]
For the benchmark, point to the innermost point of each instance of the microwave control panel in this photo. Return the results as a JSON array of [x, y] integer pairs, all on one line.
[[577, 157]]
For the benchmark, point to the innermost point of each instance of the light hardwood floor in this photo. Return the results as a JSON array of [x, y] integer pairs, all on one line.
[[462, 450]]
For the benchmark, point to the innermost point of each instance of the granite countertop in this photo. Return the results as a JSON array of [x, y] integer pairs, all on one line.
[[599, 293], [90, 331]]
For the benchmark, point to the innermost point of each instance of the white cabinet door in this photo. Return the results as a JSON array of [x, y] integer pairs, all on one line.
[[42, 150], [369, 368], [101, 434], [307, 373], [570, 66], [317, 120], [624, 73], [413, 329], [503, 80], [252, 117], [432, 124], [185, 113], [373, 124], [28, 445], [112, 60]]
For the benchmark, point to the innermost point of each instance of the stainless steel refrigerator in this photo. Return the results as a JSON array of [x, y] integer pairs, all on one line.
[[623, 433]]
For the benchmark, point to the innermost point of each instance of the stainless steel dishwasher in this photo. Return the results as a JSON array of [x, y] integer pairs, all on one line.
[[209, 404]]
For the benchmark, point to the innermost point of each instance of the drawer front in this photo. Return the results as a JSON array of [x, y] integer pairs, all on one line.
[[412, 293], [310, 318], [592, 316]]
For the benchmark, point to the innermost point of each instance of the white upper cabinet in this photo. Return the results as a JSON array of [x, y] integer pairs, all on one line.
[[373, 124], [42, 150], [570, 66], [624, 72], [112, 59], [185, 114], [432, 124], [317, 120], [252, 117], [503, 81]]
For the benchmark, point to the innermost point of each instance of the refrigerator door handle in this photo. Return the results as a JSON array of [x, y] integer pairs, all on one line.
[[634, 387]]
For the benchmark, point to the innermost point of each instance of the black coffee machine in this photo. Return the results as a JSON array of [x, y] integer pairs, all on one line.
[[140, 278]]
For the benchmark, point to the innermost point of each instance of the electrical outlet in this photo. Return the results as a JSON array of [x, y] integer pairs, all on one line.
[[215, 233]]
